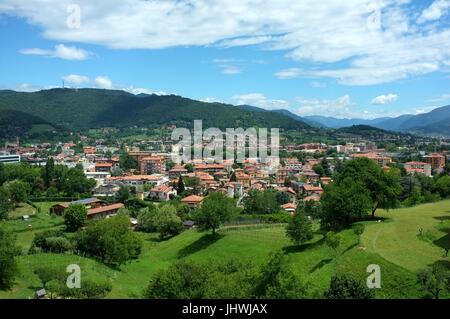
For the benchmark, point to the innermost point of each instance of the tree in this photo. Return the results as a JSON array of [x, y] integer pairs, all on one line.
[[442, 185], [48, 172], [123, 194], [18, 191], [343, 203], [345, 287], [146, 219], [189, 167], [283, 198], [358, 230], [180, 185], [318, 169], [127, 162], [75, 217], [333, 241], [434, 280], [261, 202], [167, 222], [382, 187], [277, 280], [216, 209], [182, 280], [8, 263], [110, 240], [5, 203], [299, 229], [74, 182]]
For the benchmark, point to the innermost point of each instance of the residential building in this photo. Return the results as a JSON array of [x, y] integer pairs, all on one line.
[[418, 168], [89, 203], [162, 193], [436, 160], [152, 165], [378, 158], [192, 201], [104, 211]]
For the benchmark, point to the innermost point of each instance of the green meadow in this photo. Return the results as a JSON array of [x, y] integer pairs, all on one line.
[[401, 242]]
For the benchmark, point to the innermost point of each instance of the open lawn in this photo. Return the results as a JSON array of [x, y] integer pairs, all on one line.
[[393, 244], [22, 210], [398, 239]]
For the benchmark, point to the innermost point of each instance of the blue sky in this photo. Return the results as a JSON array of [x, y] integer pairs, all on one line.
[[341, 58]]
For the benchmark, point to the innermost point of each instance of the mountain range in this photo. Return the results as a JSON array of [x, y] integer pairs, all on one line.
[[436, 122], [81, 109]]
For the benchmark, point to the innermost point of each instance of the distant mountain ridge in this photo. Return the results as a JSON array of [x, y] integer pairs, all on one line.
[[436, 122]]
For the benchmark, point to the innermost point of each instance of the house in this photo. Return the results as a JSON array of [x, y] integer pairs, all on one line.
[[436, 160], [308, 190], [192, 201], [152, 165], [177, 172], [325, 180], [378, 158], [188, 224], [418, 168], [289, 191], [289, 207], [100, 177], [41, 294], [281, 175], [139, 181], [104, 211], [162, 193], [59, 209], [107, 190], [89, 150], [314, 197], [103, 167]]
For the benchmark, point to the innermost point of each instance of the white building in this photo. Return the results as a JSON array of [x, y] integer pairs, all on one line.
[[6, 158]]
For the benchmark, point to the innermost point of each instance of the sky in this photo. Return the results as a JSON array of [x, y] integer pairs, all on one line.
[[340, 58]]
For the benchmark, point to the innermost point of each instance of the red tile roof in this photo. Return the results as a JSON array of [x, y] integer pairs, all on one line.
[[103, 209]]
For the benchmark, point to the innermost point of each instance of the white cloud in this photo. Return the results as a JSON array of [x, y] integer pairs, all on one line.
[[385, 99], [60, 51], [76, 79], [230, 69], [336, 36], [26, 87], [103, 82], [318, 84], [339, 107], [286, 74], [135, 91], [246, 41], [440, 99], [435, 11], [211, 100], [259, 100]]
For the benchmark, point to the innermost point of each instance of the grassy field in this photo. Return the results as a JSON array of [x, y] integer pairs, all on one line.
[[394, 245]]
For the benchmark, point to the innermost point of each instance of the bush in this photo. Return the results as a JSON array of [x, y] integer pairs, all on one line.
[[50, 241], [344, 287]]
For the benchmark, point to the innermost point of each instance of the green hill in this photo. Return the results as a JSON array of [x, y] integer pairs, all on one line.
[[92, 108]]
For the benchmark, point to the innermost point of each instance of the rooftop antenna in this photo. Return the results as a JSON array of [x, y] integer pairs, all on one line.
[[63, 84]]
